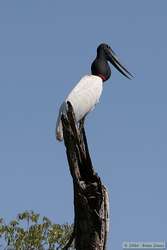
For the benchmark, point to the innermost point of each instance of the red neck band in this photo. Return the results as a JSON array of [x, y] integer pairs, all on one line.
[[102, 77]]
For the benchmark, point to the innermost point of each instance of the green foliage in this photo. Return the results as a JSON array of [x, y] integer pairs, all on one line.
[[31, 232]]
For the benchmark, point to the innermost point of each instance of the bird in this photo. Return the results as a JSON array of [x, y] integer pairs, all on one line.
[[86, 93]]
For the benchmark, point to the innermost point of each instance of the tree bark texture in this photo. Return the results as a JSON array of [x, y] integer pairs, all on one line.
[[91, 202]]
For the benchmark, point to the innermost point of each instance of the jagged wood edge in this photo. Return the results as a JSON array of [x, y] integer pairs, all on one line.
[[78, 137]]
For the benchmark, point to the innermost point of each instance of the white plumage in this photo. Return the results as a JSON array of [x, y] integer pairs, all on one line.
[[83, 97]]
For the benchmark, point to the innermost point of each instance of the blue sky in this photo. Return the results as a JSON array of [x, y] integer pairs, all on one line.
[[45, 48]]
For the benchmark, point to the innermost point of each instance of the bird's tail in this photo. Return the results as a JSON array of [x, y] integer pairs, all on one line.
[[59, 132], [59, 127]]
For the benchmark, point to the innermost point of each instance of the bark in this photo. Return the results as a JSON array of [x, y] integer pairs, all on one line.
[[91, 203]]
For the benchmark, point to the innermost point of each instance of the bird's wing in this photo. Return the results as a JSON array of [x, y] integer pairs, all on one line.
[[85, 95]]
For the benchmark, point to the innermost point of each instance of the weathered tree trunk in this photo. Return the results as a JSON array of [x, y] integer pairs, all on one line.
[[91, 203]]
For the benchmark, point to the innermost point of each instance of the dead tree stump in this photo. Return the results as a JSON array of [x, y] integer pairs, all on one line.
[[91, 203]]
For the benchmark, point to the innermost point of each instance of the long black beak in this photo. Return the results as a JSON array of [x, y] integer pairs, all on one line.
[[112, 57]]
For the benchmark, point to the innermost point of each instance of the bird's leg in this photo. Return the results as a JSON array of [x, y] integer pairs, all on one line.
[[81, 123], [84, 142], [81, 129]]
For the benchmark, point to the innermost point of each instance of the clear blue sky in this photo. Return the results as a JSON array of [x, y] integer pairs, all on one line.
[[45, 48]]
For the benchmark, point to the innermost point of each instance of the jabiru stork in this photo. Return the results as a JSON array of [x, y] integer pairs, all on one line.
[[86, 94]]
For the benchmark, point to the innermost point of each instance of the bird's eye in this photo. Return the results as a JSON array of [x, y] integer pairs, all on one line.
[[108, 47]]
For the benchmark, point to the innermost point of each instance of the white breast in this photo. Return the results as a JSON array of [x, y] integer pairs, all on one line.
[[83, 97]]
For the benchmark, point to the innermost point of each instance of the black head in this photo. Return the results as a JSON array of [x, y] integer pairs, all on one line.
[[100, 65]]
